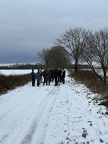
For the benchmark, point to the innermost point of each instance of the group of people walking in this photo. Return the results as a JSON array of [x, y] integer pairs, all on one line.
[[47, 76]]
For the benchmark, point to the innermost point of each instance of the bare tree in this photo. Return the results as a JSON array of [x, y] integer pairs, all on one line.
[[43, 56], [73, 41], [96, 50], [55, 57]]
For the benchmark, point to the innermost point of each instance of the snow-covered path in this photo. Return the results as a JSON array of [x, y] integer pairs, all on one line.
[[63, 114]]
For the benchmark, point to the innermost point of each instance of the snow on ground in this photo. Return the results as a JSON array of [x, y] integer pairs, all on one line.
[[63, 114], [14, 72]]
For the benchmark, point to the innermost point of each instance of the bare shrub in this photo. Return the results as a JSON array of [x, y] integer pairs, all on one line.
[[12, 81]]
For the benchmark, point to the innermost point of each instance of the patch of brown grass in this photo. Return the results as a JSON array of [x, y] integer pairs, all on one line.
[[12, 81]]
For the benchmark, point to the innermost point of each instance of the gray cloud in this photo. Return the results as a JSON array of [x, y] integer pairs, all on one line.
[[28, 26]]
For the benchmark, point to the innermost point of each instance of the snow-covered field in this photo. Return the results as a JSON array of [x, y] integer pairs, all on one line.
[[14, 72], [63, 114]]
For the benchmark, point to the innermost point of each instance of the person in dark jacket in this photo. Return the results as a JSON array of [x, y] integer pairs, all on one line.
[[44, 76], [48, 77], [52, 74], [63, 75], [33, 75], [38, 77], [56, 77], [59, 75]]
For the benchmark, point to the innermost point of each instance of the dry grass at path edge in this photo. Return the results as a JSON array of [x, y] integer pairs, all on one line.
[[89, 79]]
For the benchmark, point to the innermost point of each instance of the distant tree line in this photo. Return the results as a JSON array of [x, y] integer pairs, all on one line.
[[24, 66], [40, 66]]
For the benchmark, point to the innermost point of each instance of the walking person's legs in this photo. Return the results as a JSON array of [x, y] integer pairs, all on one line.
[[33, 82], [37, 83]]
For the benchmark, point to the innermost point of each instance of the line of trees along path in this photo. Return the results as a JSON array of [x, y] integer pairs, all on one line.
[[79, 45]]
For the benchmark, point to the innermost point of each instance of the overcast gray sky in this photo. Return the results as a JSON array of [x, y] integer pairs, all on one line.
[[28, 26]]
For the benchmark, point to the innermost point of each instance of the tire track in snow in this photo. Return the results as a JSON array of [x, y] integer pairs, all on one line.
[[13, 107], [55, 92], [27, 139], [25, 95], [21, 108], [41, 112]]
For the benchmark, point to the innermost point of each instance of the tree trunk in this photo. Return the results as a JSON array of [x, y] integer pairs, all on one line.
[[104, 72], [97, 75], [76, 66], [104, 68]]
